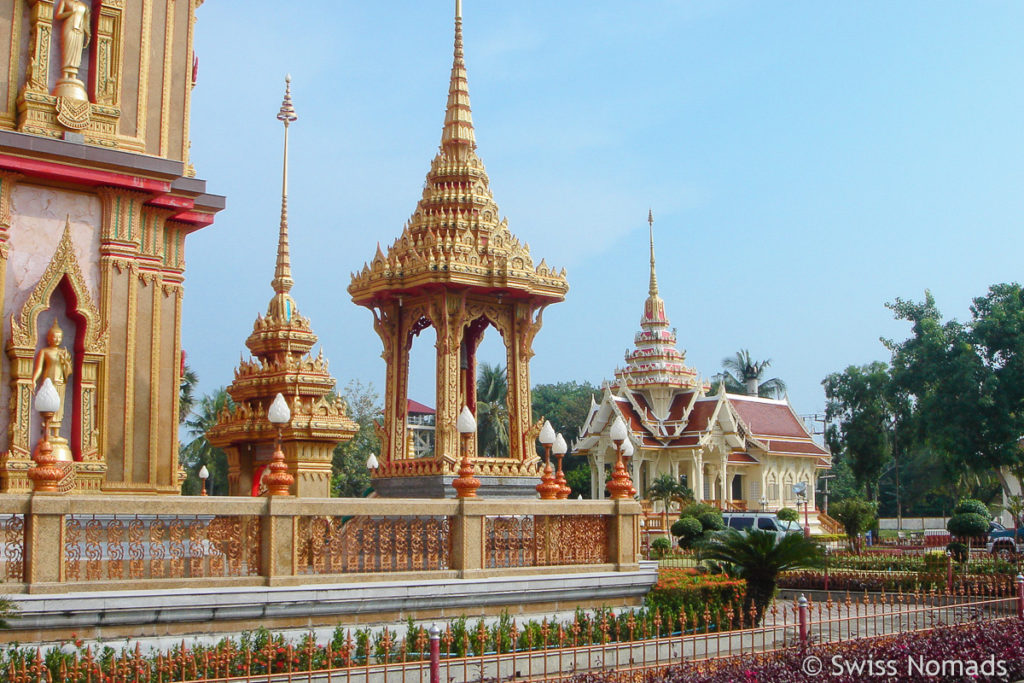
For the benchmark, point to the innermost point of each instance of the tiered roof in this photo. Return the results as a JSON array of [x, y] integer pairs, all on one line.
[[455, 236]]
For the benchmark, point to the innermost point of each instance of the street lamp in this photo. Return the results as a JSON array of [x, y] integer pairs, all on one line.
[[547, 488], [466, 484], [279, 481], [620, 485], [45, 474], [204, 474], [764, 503], [559, 449], [371, 463]]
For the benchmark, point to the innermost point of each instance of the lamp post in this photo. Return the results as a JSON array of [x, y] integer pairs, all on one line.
[[371, 463], [279, 481], [45, 474], [620, 485], [559, 449], [466, 484], [764, 503], [627, 456], [204, 474], [807, 524], [547, 488]]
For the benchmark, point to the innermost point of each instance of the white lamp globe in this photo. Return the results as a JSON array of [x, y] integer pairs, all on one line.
[[279, 413], [618, 430], [47, 398], [547, 434], [204, 473], [466, 424], [560, 446], [627, 449], [371, 462]]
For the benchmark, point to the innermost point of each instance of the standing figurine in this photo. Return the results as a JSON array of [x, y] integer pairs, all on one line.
[[74, 39], [54, 362]]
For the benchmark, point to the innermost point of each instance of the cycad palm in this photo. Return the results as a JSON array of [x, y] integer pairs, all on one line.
[[492, 411], [742, 374], [758, 557]]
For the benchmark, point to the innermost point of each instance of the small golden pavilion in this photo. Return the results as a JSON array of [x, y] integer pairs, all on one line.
[[740, 452], [458, 269]]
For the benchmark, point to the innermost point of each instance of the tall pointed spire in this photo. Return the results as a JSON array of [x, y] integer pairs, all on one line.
[[653, 290], [282, 282], [458, 117]]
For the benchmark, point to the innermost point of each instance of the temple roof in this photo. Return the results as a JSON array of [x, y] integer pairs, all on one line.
[[455, 236]]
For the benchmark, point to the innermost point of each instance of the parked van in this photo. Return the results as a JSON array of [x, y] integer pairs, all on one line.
[[765, 521]]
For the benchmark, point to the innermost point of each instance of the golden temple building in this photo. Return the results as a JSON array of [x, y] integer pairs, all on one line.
[[96, 199], [737, 451], [280, 343], [457, 268]]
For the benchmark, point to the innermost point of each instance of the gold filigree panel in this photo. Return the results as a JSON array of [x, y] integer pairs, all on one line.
[[12, 561], [112, 547], [545, 540], [342, 545]]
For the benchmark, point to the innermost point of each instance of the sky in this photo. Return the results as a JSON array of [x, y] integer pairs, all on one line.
[[806, 162]]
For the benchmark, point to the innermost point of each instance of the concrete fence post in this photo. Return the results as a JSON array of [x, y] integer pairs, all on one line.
[[804, 625], [435, 654]]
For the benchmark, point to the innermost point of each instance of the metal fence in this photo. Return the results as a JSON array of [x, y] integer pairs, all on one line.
[[548, 652]]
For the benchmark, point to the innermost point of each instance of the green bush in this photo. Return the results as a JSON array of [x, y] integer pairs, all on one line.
[[688, 529], [711, 521], [972, 505], [856, 515], [788, 515], [959, 551], [697, 509], [967, 525], [660, 546], [693, 595]]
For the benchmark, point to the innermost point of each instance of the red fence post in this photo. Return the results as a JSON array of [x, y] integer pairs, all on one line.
[[435, 654], [1020, 596], [804, 630], [949, 572]]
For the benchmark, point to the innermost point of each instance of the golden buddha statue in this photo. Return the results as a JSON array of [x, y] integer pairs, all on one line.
[[74, 39], [54, 362]]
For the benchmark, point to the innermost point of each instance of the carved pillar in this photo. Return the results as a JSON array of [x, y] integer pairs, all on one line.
[[449, 401], [104, 78], [698, 476], [40, 40]]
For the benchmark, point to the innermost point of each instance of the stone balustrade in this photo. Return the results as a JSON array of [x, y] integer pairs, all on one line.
[[61, 544]]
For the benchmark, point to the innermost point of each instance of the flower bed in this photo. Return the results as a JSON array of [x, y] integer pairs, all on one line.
[[703, 598], [979, 652], [893, 581], [893, 560]]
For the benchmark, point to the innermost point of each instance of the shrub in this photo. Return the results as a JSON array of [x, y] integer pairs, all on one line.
[[959, 551], [677, 592], [788, 515], [711, 521], [688, 529], [967, 525], [660, 546], [972, 505]]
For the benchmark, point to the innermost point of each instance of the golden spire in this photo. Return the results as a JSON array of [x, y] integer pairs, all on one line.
[[653, 291], [458, 118], [282, 281]]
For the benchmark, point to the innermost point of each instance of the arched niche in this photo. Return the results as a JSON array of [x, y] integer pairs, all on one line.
[[63, 276]]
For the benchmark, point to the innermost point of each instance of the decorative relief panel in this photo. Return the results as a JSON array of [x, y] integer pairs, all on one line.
[[544, 540], [339, 545]]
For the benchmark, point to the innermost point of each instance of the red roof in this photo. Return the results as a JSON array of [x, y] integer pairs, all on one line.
[[700, 415], [679, 405], [768, 418], [801, 447], [741, 458], [417, 408]]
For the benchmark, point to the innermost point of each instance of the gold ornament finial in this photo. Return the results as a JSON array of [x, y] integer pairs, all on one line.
[[283, 282], [458, 118], [653, 291]]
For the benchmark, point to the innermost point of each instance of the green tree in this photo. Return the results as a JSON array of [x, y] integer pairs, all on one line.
[[857, 516], [492, 411], [966, 382], [743, 375], [187, 393], [667, 488], [566, 405], [758, 557], [199, 452], [859, 421], [349, 476]]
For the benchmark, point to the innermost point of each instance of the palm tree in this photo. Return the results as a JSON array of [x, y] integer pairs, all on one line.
[[758, 557], [187, 393], [198, 451], [667, 488], [742, 375], [492, 411]]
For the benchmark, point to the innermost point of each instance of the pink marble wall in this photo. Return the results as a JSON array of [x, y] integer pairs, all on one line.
[[38, 216]]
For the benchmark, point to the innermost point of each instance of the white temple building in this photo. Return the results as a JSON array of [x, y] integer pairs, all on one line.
[[738, 452]]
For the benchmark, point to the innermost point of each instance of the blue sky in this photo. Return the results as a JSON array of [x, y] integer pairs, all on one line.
[[806, 163]]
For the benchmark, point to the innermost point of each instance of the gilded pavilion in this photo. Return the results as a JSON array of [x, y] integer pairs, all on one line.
[[280, 344], [731, 449], [458, 269]]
